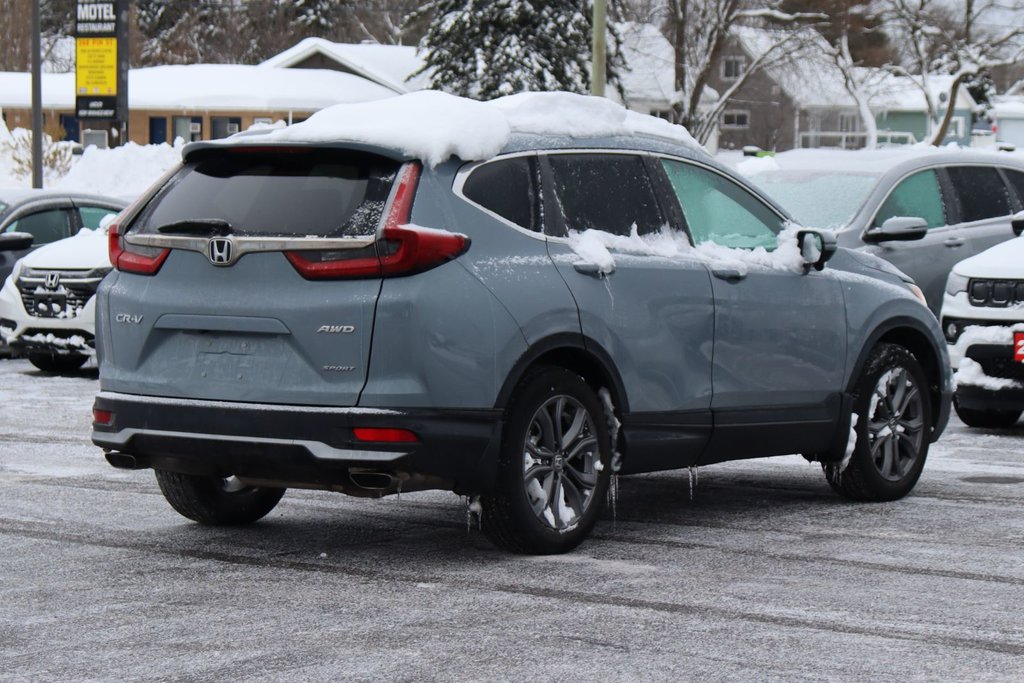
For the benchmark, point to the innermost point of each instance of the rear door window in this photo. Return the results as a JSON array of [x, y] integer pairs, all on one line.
[[720, 211], [316, 193], [607, 192], [980, 191], [508, 188], [917, 196]]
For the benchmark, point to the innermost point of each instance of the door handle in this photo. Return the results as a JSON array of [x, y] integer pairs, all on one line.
[[592, 269], [954, 242], [727, 273]]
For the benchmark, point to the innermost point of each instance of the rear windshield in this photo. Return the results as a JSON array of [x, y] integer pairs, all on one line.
[[321, 193]]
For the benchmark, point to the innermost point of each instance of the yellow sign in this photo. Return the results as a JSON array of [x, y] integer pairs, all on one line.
[[96, 66]]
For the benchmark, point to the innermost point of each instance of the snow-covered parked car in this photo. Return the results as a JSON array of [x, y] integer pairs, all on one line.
[[47, 304], [923, 209], [983, 320]]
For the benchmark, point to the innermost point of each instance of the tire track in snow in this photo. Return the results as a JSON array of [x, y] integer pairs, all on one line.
[[106, 540]]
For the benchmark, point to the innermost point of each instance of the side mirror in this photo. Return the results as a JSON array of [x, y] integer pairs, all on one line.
[[1017, 223], [16, 241], [898, 229], [816, 247]]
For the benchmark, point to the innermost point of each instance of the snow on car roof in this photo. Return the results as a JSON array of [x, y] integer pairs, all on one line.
[[874, 162], [434, 126]]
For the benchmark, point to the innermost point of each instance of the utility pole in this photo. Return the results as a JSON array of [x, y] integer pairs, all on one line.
[[37, 99], [599, 50]]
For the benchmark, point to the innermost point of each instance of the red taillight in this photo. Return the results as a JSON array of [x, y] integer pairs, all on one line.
[[384, 435], [402, 249], [124, 258], [103, 418]]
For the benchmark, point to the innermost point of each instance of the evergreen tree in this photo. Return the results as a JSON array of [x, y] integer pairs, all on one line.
[[490, 48]]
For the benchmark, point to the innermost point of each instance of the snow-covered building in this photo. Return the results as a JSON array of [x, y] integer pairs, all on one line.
[[1008, 114], [899, 104], [199, 101], [649, 77], [798, 99], [390, 66]]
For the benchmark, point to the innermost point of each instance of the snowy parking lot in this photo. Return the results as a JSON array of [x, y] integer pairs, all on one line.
[[764, 574]]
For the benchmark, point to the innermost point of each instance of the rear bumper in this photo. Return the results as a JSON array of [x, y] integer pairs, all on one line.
[[977, 398], [302, 446]]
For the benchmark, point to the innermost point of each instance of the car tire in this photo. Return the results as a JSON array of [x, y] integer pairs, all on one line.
[[216, 501], [554, 469], [986, 419], [893, 428], [51, 362]]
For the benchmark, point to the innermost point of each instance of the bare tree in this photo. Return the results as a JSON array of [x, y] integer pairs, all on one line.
[[699, 30], [962, 40]]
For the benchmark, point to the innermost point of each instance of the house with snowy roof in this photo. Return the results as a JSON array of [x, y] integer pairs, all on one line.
[[798, 98], [193, 102], [1008, 120]]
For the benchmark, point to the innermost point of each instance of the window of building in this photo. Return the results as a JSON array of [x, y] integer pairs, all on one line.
[[849, 123], [188, 128], [736, 118], [223, 126], [732, 67]]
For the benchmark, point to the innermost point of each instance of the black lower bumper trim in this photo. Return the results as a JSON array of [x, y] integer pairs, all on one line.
[[977, 398], [299, 445]]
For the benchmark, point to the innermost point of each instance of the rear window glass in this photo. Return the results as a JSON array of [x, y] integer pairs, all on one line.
[[322, 193], [981, 192]]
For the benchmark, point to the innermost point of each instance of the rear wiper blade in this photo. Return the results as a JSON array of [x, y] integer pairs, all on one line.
[[201, 227]]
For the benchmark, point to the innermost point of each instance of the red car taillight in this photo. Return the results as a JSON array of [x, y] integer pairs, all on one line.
[[401, 250], [141, 260]]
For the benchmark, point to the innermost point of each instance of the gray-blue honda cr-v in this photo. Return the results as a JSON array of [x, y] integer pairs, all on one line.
[[516, 325]]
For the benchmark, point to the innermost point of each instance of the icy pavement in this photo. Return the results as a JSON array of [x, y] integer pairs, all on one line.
[[764, 575]]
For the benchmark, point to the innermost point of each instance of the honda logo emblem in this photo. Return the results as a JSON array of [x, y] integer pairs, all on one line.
[[220, 251], [52, 280]]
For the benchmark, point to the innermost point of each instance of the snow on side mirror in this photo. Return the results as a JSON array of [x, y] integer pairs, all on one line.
[[1017, 223], [898, 229], [15, 241], [816, 247]]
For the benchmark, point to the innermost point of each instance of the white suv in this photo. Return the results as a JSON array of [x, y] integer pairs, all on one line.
[[983, 320], [47, 304]]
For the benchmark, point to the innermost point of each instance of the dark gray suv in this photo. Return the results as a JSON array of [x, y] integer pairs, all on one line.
[[517, 328]]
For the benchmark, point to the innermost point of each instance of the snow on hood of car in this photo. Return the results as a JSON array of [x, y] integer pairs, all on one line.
[[434, 126], [1003, 261], [86, 250]]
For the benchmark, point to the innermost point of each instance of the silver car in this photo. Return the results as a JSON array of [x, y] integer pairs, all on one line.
[[518, 329], [923, 210]]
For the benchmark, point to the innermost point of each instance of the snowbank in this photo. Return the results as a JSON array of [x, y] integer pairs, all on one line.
[[121, 171], [434, 126]]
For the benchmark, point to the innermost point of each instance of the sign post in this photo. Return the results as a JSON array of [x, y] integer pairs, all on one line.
[[101, 66]]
